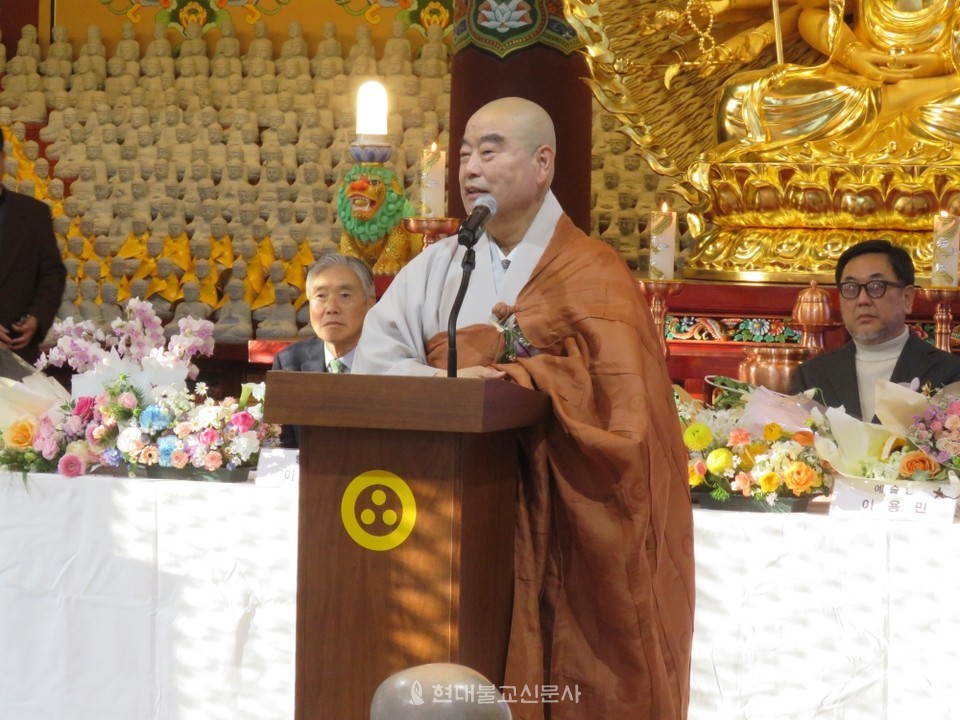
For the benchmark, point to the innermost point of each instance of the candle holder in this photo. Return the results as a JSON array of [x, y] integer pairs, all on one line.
[[657, 292], [943, 296], [432, 228]]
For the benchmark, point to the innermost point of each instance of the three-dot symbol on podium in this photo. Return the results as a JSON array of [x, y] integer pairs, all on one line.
[[368, 504]]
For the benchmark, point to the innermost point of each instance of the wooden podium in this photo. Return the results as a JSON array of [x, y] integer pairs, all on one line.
[[407, 509]]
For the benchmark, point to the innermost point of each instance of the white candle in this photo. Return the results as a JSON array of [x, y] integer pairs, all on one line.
[[663, 243], [946, 249], [433, 180], [371, 110]]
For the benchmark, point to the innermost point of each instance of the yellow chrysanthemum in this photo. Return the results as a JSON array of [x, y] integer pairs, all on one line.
[[697, 437], [769, 481], [772, 432], [719, 460]]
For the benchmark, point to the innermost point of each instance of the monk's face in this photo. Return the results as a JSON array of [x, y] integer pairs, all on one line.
[[499, 157]]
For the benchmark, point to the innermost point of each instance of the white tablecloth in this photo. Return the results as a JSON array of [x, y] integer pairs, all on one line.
[[132, 599], [159, 600], [806, 616]]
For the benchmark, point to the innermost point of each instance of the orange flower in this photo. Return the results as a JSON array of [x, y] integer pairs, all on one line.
[[742, 482], [803, 437], [917, 461], [695, 478], [801, 478], [739, 437]]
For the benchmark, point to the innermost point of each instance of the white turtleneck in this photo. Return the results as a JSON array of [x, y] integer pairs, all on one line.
[[876, 362]]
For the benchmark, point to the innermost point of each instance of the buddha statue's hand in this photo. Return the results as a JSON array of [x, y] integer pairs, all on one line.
[[890, 67]]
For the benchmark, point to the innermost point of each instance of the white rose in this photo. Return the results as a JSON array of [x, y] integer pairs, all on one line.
[[129, 440]]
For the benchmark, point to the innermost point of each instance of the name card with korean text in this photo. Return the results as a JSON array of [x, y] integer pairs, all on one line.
[[278, 467], [926, 502]]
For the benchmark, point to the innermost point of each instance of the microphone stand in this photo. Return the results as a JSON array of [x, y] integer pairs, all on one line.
[[469, 263]]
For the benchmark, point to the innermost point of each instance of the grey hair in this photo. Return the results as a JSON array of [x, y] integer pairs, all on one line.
[[334, 259]]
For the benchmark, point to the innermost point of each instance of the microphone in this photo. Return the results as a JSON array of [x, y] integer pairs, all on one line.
[[472, 228]]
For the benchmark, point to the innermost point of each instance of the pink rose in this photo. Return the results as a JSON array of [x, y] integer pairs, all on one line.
[[71, 465], [213, 460], [84, 408], [127, 400], [243, 421], [208, 436]]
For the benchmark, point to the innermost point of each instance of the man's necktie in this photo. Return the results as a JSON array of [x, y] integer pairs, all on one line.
[[337, 366]]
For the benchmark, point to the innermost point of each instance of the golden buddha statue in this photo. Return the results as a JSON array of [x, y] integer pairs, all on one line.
[[855, 133]]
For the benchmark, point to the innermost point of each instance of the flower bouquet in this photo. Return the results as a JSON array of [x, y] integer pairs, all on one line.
[[904, 468], [761, 448], [918, 438], [130, 406]]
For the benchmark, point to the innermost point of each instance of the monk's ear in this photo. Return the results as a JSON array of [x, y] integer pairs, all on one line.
[[544, 158]]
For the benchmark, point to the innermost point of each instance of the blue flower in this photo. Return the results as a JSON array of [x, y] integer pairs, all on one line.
[[111, 457], [167, 445], [154, 418], [758, 327]]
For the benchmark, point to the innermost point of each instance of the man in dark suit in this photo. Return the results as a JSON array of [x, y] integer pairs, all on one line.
[[875, 280], [32, 275], [340, 291]]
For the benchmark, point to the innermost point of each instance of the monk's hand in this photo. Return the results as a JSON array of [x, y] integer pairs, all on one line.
[[502, 311], [480, 371], [5, 339], [27, 327]]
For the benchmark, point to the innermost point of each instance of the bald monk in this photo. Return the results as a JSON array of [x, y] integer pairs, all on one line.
[[603, 597]]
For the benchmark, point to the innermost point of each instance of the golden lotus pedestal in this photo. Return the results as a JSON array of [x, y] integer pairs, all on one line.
[[790, 221]]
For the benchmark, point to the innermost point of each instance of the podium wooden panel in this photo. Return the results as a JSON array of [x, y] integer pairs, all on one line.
[[444, 594]]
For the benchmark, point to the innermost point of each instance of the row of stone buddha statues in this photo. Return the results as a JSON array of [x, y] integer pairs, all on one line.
[[188, 202], [192, 77], [623, 192], [307, 134], [247, 288]]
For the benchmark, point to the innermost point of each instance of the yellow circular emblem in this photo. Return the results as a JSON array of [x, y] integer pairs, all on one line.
[[378, 510]]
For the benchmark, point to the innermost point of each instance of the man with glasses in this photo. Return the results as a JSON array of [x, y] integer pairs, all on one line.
[[875, 283]]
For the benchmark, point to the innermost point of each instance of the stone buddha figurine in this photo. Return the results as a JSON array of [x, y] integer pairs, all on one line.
[[280, 319], [110, 309], [233, 319], [88, 307], [190, 306]]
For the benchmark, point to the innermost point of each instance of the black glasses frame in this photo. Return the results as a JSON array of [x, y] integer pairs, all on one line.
[[850, 289]]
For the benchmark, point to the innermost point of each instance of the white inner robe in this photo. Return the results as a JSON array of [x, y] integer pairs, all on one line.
[[418, 302]]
